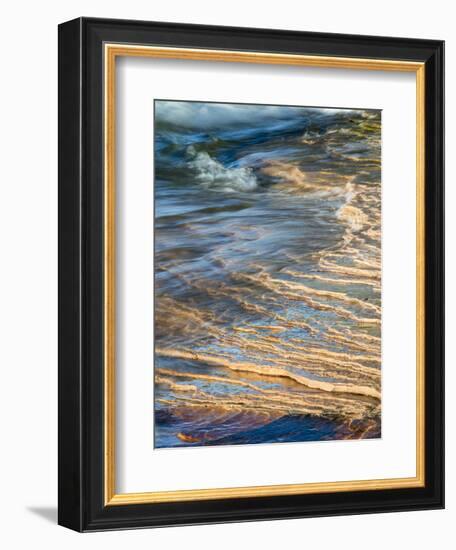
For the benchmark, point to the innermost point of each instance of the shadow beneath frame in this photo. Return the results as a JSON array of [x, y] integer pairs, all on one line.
[[49, 513]]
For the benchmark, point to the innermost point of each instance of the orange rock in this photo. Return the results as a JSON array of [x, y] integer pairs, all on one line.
[[187, 438]]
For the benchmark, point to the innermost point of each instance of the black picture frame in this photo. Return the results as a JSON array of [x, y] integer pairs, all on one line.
[[81, 398]]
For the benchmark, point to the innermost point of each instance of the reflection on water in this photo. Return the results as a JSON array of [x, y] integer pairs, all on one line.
[[268, 274]]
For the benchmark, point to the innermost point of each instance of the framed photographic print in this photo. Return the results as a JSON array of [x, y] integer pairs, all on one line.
[[251, 313]]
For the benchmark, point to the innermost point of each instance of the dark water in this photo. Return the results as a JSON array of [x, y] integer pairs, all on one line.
[[268, 274]]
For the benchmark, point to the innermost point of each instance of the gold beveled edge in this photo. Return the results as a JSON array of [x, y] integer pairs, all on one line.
[[111, 51], [420, 271], [232, 56], [264, 491]]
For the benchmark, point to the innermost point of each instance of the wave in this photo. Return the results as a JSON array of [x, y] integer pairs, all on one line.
[[211, 174], [290, 178], [269, 370], [352, 216], [203, 115]]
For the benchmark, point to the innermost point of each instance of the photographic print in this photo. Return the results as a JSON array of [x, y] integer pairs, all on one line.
[[267, 274]]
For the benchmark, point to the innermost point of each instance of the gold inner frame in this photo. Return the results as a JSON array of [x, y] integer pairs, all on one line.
[[111, 52]]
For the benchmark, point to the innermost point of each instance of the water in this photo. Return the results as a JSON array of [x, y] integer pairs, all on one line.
[[268, 274]]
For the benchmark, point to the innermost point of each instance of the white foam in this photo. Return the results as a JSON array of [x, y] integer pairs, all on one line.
[[211, 174]]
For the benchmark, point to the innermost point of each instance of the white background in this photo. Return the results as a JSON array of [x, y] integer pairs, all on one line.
[[28, 289], [140, 467]]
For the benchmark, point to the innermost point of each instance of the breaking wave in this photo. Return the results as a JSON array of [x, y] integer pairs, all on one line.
[[211, 174]]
